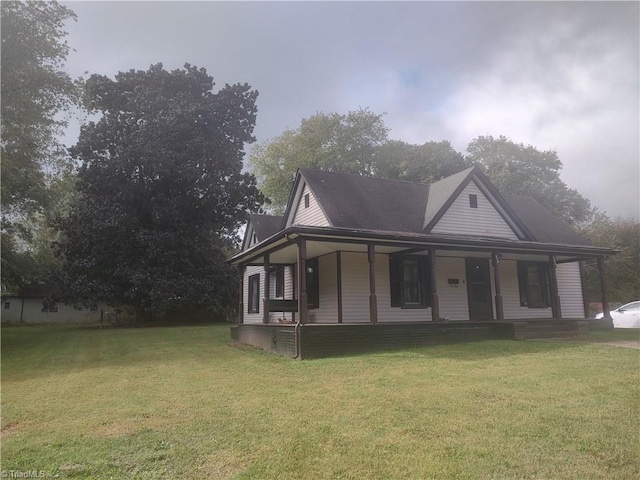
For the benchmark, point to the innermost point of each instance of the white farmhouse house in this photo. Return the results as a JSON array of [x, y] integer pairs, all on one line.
[[360, 263]]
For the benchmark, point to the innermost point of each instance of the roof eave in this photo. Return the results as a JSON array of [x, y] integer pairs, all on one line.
[[428, 240]]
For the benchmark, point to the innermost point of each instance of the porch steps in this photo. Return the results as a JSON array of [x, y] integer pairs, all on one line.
[[529, 329]]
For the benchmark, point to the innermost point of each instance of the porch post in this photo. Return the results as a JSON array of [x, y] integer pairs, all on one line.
[[302, 280], [555, 297], [373, 300], [292, 269], [435, 305], [603, 289], [583, 282], [495, 260], [339, 284], [241, 269], [267, 289]]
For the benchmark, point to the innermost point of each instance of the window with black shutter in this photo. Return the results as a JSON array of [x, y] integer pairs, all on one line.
[[410, 281], [279, 274], [533, 282], [254, 294]]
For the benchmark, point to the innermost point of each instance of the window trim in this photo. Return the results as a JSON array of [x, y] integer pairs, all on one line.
[[473, 200], [253, 302], [397, 281], [525, 288], [278, 281], [306, 200]]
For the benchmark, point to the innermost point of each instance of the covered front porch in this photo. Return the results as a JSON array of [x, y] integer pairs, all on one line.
[[382, 290]]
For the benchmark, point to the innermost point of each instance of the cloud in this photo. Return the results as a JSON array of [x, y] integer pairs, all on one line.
[[565, 83], [560, 75]]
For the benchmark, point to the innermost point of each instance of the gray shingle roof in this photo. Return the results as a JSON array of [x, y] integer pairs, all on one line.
[[542, 223], [265, 225], [366, 203]]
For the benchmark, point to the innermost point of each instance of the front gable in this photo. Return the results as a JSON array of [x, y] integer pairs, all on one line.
[[468, 204], [250, 238], [303, 207], [259, 228], [474, 213]]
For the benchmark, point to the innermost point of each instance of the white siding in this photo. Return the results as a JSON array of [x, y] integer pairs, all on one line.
[[355, 291], [570, 290], [328, 291], [11, 314], [248, 272], [32, 312], [511, 294], [355, 287], [312, 215], [288, 293], [452, 300], [485, 220]]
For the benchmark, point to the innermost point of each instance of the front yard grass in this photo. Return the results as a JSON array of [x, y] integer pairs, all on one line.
[[180, 402]]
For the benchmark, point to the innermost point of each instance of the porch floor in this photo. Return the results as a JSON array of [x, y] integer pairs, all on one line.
[[318, 340]]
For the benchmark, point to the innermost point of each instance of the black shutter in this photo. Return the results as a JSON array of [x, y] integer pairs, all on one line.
[[545, 274], [522, 284], [425, 280], [395, 279]]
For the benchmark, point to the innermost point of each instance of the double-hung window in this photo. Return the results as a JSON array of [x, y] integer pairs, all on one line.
[[410, 281], [254, 294], [279, 279], [533, 280]]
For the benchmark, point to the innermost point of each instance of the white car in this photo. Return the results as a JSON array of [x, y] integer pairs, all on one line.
[[626, 316]]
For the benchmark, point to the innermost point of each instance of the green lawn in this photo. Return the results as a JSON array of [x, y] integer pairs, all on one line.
[[180, 402]]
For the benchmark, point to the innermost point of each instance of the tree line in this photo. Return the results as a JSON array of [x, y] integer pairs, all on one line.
[[357, 142], [144, 209]]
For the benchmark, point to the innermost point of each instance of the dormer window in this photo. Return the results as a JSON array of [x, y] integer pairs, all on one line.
[[473, 200], [306, 200]]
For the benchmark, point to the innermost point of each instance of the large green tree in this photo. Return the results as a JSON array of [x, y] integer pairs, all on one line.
[[35, 91], [623, 269], [333, 142], [160, 191], [424, 163], [521, 169]]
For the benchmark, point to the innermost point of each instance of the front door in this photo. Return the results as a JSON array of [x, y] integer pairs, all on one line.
[[479, 289]]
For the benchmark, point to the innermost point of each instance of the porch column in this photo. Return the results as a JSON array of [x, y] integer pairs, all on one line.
[[241, 269], [373, 300], [603, 289], [292, 269], [267, 289], [495, 260], [339, 284], [435, 305], [583, 282], [555, 297], [302, 280]]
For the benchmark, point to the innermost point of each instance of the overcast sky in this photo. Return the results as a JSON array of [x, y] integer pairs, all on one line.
[[561, 76]]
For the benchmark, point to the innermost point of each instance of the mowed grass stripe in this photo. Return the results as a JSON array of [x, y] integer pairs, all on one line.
[[181, 401]]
